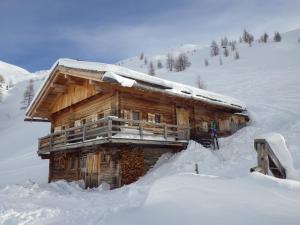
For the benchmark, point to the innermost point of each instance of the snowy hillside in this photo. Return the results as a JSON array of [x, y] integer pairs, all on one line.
[[18, 138], [266, 78], [12, 73]]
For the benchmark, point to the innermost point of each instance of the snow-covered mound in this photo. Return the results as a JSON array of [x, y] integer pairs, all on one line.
[[266, 78], [281, 151]]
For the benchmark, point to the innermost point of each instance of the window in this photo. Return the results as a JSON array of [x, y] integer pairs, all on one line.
[[83, 162], [72, 163], [157, 118], [127, 115], [72, 124], [77, 123], [104, 157], [135, 115], [100, 116], [151, 117], [58, 128]]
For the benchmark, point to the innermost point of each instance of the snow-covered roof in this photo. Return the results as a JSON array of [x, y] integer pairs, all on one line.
[[118, 73], [281, 151]]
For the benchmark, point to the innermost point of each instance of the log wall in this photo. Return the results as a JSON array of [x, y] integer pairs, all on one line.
[[105, 104], [73, 94]]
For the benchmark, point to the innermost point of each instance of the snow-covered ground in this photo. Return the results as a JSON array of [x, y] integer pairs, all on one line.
[[266, 78]]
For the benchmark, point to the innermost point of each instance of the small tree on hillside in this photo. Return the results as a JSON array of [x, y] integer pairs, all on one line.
[[233, 45], [170, 63], [159, 64], [28, 94], [224, 42], [264, 38], [145, 61], [237, 55], [277, 37], [205, 62], [182, 62], [247, 37], [151, 69], [2, 81], [214, 48], [226, 52], [220, 61], [200, 83], [142, 56]]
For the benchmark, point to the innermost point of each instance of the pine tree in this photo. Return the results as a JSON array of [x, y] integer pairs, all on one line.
[[214, 48], [2, 81], [170, 62], [237, 55], [145, 61], [200, 83], [182, 62], [233, 46], [142, 56], [28, 94], [205, 62], [224, 42], [226, 52], [159, 64], [247, 37], [220, 61], [277, 37], [151, 69], [264, 38]]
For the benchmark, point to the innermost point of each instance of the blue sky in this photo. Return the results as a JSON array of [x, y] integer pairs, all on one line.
[[34, 33]]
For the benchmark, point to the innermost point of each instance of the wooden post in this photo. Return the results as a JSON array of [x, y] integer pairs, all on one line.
[[196, 168], [188, 134], [109, 124], [165, 132], [51, 139], [83, 132], [141, 129], [66, 137]]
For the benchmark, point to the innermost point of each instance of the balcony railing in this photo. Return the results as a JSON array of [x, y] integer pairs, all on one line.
[[113, 128]]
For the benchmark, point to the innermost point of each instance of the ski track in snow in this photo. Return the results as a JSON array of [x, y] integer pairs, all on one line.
[[266, 78]]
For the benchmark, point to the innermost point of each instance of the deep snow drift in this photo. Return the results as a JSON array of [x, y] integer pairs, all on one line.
[[266, 78]]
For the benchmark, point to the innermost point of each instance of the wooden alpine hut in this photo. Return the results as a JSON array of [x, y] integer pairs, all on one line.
[[110, 124]]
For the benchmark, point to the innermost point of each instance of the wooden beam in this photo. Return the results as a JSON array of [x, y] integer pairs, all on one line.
[[36, 120]]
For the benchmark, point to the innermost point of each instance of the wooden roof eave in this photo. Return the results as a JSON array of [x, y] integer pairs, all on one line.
[[32, 111]]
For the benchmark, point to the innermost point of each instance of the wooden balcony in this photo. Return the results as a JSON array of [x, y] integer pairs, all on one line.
[[115, 130]]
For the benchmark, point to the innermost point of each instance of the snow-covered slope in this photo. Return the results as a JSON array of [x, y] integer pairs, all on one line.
[[12, 73], [18, 161], [266, 78]]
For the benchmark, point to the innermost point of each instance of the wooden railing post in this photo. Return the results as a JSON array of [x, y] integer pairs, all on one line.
[[165, 132], [66, 137], [141, 129], [188, 134], [83, 132], [109, 124], [51, 139]]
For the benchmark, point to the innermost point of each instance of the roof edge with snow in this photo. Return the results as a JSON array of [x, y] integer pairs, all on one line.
[[127, 77]]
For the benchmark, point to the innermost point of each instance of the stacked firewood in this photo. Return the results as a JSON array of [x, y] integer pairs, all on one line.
[[132, 165]]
